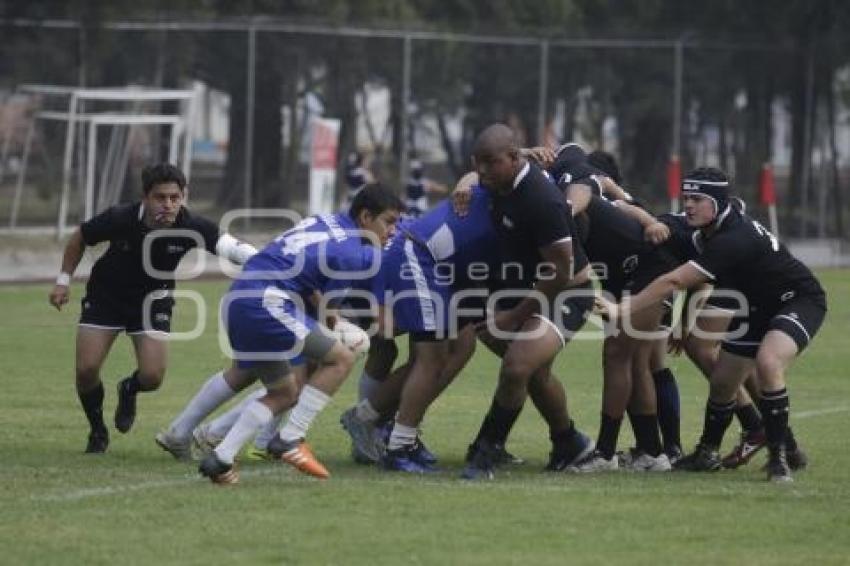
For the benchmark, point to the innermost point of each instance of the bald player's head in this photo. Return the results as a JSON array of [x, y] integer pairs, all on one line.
[[496, 157]]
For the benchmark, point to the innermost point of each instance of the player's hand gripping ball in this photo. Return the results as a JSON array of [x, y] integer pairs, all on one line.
[[352, 336]]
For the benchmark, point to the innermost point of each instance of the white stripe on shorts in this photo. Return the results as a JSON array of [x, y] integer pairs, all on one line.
[[797, 322], [100, 327], [555, 326], [426, 305], [273, 300]]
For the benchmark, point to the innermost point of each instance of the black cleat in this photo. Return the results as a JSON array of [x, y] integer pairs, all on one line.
[[570, 451], [777, 465], [218, 471], [481, 461], [98, 442], [125, 412], [501, 456], [797, 459], [674, 453], [704, 458]]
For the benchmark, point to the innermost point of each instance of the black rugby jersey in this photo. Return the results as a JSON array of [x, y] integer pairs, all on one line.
[[571, 166], [745, 256], [612, 239], [120, 272], [534, 215]]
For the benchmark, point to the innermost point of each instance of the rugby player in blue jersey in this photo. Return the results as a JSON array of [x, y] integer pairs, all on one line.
[[272, 324], [424, 277]]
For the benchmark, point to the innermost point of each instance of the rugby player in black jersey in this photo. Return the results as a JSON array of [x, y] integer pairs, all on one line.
[[129, 289], [786, 306], [619, 239], [536, 232]]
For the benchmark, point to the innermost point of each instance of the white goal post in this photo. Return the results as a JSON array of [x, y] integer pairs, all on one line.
[[74, 114]]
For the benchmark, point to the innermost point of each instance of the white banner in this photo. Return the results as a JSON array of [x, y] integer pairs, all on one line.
[[323, 150]]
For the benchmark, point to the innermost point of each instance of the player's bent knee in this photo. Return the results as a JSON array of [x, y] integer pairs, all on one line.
[[282, 394], [516, 371], [769, 367], [152, 379]]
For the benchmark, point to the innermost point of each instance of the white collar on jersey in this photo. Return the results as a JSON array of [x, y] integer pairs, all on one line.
[[141, 211], [522, 173]]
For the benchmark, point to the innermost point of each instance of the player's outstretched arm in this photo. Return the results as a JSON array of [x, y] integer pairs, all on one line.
[[74, 249], [435, 188], [544, 156], [686, 276], [694, 301], [462, 195], [653, 231], [234, 250], [611, 190]]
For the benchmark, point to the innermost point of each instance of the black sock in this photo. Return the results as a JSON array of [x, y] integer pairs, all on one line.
[[609, 430], [667, 399], [647, 438], [132, 385], [92, 402], [775, 407], [790, 440], [749, 417], [497, 424], [718, 417]]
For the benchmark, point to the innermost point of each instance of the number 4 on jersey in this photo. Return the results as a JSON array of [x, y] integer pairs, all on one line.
[[296, 239]]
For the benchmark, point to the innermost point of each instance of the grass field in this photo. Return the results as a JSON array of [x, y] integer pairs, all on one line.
[[136, 505]]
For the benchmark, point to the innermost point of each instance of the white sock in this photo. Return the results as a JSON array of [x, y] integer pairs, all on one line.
[[253, 417], [212, 394], [366, 386], [261, 442], [366, 412], [402, 436], [310, 403], [221, 425]]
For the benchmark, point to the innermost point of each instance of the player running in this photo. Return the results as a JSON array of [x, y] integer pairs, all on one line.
[[272, 323], [130, 289]]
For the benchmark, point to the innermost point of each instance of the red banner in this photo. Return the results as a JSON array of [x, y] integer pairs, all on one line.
[[674, 177], [325, 139], [767, 186]]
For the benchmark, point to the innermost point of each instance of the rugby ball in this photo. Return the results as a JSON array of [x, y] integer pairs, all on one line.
[[352, 336]]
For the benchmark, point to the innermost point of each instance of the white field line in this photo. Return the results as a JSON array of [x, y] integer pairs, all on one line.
[[77, 494], [545, 485], [552, 483]]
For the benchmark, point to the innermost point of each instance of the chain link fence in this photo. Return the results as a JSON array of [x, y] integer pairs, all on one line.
[[403, 95]]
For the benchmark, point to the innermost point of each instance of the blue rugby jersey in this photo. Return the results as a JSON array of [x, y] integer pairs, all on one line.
[[321, 253]]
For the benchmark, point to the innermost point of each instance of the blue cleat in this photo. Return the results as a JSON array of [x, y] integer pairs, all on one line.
[[406, 460], [422, 454]]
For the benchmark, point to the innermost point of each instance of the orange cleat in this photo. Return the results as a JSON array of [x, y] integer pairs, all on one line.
[[298, 455]]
